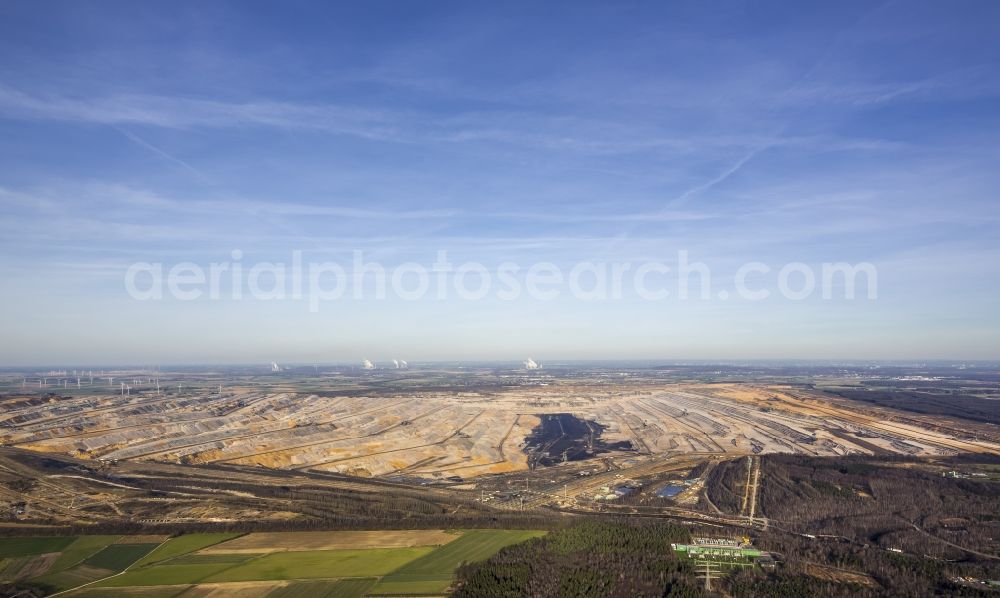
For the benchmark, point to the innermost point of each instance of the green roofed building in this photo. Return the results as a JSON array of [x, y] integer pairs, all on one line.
[[701, 551]]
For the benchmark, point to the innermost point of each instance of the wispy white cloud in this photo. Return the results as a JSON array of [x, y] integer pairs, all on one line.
[[735, 167], [523, 126], [67, 198], [966, 83], [184, 112]]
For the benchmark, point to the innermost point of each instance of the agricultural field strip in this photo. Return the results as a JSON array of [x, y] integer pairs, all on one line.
[[426, 567], [13, 568], [279, 565], [90, 583], [82, 548], [117, 554], [33, 545], [184, 545], [434, 572], [116, 557], [300, 541]]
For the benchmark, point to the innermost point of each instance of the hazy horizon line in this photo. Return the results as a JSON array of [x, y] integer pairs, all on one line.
[[679, 362]]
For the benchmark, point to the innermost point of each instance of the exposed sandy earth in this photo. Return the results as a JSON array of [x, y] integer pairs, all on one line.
[[467, 433], [239, 589], [299, 541]]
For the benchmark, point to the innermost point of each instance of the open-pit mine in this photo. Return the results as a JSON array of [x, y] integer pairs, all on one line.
[[457, 424]]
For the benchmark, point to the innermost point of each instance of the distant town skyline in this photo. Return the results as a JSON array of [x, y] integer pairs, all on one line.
[[727, 134]]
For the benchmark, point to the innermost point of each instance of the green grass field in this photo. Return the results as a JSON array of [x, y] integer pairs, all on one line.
[[164, 575], [413, 585], [476, 545], [71, 578], [89, 558], [276, 566], [10, 547], [368, 562], [181, 545], [10, 566], [433, 573], [172, 568], [118, 557], [81, 549], [345, 588], [210, 559], [148, 592]]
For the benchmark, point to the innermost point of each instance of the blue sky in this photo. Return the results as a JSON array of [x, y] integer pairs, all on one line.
[[735, 131]]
